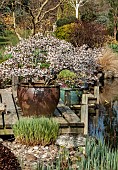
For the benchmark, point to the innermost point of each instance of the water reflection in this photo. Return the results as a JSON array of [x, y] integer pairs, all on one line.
[[104, 125]]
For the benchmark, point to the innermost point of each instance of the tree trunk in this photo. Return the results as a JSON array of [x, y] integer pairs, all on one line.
[[14, 23], [77, 12], [34, 27], [115, 27]]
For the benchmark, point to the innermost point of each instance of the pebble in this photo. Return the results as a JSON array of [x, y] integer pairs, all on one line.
[[1, 140], [30, 156], [36, 147]]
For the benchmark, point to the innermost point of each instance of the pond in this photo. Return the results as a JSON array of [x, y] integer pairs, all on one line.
[[104, 125]]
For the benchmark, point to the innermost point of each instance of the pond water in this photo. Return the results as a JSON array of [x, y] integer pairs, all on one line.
[[104, 125]]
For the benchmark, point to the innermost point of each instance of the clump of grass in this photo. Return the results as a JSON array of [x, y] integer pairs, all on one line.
[[109, 60], [33, 131]]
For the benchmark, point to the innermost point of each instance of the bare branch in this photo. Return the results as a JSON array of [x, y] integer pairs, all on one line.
[[41, 8], [51, 9], [4, 3], [72, 3]]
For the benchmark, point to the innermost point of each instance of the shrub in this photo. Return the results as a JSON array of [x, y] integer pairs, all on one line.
[[64, 32], [114, 47], [2, 28], [65, 21], [4, 57], [33, 131], [90, 33]]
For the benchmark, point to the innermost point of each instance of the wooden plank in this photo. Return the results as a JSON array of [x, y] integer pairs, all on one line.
[[10, 117], [78, 107], [57, 113], [67, 113], [84, 99], [84, 118], [71, 130], [61, 121], [8, 100], [6, 132]]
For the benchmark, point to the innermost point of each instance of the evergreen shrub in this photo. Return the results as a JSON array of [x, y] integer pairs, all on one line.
[[64, 32], [67, 20]]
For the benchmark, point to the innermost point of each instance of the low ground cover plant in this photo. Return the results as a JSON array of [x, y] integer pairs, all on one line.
[[33, 131]]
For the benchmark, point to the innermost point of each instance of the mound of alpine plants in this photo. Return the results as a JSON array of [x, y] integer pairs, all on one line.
[[30, 57]]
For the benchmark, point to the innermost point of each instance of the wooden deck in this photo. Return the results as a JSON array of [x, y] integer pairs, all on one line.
[[69, 122]]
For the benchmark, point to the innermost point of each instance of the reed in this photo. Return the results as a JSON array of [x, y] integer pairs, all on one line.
[[33, 131]]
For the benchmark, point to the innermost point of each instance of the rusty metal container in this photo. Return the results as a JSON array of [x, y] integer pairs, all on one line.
[[36, 99]]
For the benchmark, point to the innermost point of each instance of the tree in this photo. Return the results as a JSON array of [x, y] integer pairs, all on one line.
[[113, 15], [39, 9], [76, 5]]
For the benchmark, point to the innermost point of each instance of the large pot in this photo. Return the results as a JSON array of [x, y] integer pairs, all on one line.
[[36, 99]]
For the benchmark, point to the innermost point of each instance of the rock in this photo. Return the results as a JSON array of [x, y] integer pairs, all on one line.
[[36, 147], [1, 140], [31, 157], [70, 141]]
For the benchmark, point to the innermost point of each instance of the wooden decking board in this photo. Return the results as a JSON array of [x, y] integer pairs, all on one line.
[[61, 121], [7, 99], [70, 130], [6, 132], [57, 113], [10, 117], [67, 113]]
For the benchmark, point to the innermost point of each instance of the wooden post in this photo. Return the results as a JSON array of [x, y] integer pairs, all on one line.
[[84, 117], [84, 112], [14, 85], [84, 99]]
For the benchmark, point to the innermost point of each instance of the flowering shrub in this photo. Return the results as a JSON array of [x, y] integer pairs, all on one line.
[[30, 57]]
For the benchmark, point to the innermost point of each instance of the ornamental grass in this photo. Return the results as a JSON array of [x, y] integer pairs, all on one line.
[[109, 60], [34, 131]]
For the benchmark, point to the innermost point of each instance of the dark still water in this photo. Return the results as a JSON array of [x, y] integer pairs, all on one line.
[[104, 125]]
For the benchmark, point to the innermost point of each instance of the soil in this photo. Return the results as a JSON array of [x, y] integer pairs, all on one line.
[[8, 161]]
